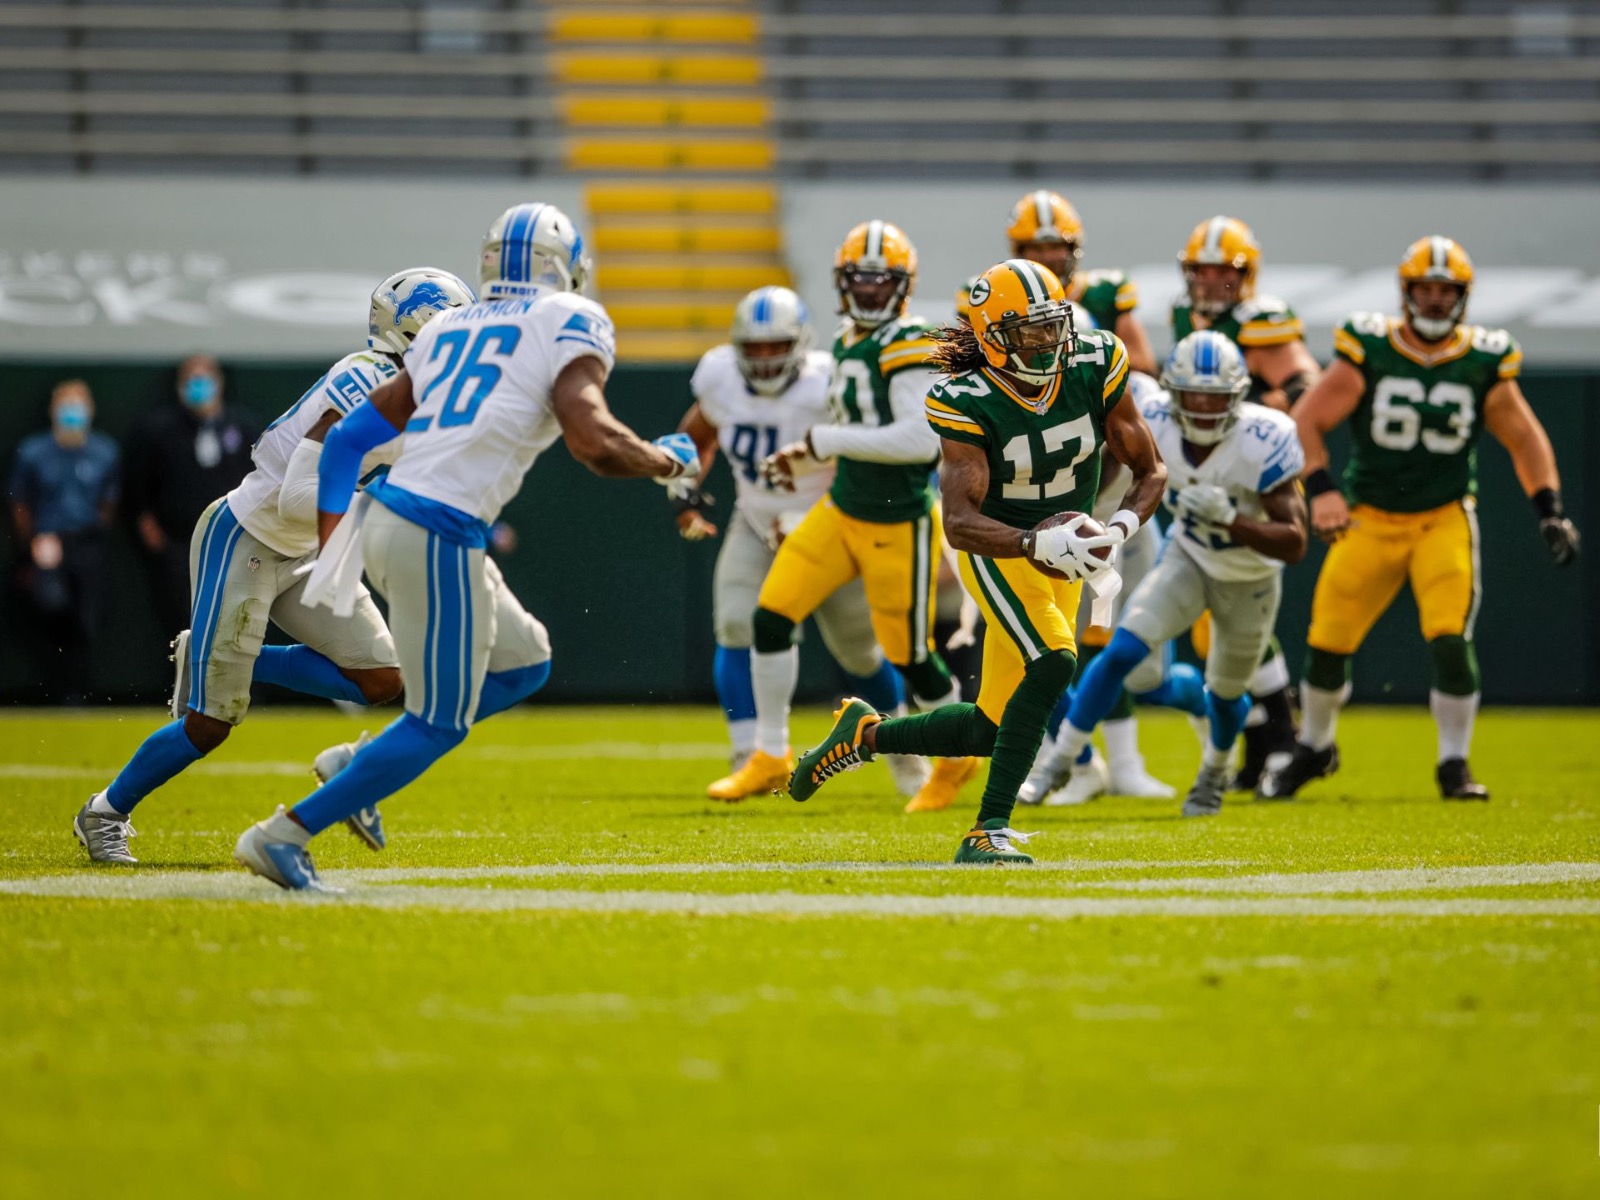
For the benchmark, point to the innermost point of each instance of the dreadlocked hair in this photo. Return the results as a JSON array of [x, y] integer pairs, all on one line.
[[957, 351]]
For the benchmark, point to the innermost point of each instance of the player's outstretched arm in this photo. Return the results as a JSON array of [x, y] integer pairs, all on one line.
[[963, 483], [690, 509], [1510, 419], [1128, 438], [1328, 405], [367, 426], [595, 437], [1286, 372], [1283, 534]]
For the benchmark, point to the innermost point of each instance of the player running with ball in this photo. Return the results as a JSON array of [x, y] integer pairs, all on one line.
[[1023, 412]]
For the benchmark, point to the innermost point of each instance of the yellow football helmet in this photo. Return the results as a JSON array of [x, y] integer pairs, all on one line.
[[1439, 260], [1019, 312], [1219, 242], [874, 272], [1045, 229]]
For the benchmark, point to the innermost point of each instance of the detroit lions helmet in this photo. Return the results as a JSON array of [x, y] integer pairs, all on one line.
[[403, 303], [532, 246], [775, 319], [1205, 364]]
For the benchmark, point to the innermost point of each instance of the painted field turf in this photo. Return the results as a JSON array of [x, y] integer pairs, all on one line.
[[570, 975]]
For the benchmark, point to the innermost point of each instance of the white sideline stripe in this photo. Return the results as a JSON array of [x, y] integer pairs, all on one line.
[[239, 887], [1406, 879], [607, 870], [644, 751]]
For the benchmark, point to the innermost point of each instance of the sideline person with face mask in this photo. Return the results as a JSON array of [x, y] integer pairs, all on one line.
[[182, 457], [64, 484]]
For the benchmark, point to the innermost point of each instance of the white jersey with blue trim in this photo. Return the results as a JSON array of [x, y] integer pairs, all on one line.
[[750, 427], [1260, 454], [482, 377], [255, 501]]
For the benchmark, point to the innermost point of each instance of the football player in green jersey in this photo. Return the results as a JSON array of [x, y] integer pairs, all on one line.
[[1417, 392], [1046, 229], [1220, 262], [1023, 412], [878, 521]]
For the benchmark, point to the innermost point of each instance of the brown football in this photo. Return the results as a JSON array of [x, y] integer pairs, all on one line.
[[1090, 528]]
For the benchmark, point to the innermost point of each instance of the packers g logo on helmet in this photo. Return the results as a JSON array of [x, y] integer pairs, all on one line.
[[1046, 217], [1439, 260], [874, 272], [1019, 312], [1225, 242]]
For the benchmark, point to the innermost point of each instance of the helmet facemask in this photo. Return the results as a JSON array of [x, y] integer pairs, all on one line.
[[871, 297], [1061, 255], [1214, 288], [1036, 345], [1427, 319], [769, 365], [1211, 422]]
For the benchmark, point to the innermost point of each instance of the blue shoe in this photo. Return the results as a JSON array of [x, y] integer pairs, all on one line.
[[366, 824], [265, 851]]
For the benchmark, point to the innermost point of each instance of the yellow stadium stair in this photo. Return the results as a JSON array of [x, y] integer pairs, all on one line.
[[665, 114]]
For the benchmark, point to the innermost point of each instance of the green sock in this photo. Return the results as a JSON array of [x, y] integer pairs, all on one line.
[[954, 731], [928, 680], [1021, 731], [1455, 665], [1326, 670]]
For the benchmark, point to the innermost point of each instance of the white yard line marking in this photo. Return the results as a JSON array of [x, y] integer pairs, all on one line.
[[239, 887], [606, 870]]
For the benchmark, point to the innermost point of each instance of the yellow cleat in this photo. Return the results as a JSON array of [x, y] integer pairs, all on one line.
[[761, 773], [949, 776]]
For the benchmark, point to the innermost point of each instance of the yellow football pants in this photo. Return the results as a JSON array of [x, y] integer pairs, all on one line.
[[1028, 614], [1436, 550], [898, 565]]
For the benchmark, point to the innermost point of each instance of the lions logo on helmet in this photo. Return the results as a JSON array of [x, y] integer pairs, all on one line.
[[532, 246], [1202, 368], [771, 336], [403, 303], [874, 272], [1435, 260], [1023, 322], [1221, 242]]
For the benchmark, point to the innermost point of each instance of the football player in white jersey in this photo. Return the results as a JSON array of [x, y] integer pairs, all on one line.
[[763, 389], [1238, 518], [248, 547], [485, 390]]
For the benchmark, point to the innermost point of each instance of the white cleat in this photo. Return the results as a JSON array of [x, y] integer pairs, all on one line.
[[1051, 770], [909, 772], [365, 823], [1088, 780], [180, 676], [104, 835], [1131, 779], [277, 852]]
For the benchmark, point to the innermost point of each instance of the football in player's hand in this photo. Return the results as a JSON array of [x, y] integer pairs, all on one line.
[[1089, 528]]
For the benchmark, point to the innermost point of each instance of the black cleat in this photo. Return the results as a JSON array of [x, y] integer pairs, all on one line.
[[1456, 781], [1303, 766]]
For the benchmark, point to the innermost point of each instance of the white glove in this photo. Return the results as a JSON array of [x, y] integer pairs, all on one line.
[[780, 470], [1071, 553], [1208, 504]]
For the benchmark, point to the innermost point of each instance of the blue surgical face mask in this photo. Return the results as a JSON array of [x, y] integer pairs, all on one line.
[[199, 390], [72, 416]]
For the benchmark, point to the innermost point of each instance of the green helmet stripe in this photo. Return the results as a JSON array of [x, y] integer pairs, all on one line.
[[1032, 281]]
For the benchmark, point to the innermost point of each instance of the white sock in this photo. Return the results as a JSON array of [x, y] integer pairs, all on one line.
[[281, 827], [952, 697], [1070, 742], [1454, 716], [100, 804], [1256, 716], [774, 677], [1271, 676], [1122, 745], [743, 735], [1319, 714], [1211, 758]]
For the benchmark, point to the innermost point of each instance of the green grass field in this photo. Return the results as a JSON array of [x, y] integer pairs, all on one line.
[[569, 975]]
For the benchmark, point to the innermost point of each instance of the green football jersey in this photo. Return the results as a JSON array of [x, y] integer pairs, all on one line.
[[1415, 431], [884, 492], [1258, 321], [1104, 296], [1043, 454]]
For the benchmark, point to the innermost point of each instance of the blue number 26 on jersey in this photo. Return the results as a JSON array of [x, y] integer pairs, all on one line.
[[471, 379]]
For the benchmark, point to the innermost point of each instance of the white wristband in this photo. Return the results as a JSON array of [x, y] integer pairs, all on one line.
[[1128, 519]]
